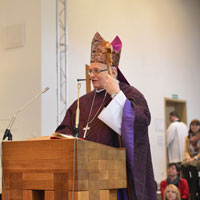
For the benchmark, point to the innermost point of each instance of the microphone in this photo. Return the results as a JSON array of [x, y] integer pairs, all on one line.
[[7, 131], [76, 134]]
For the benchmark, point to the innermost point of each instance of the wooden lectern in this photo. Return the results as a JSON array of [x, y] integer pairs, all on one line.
[[43, 170]]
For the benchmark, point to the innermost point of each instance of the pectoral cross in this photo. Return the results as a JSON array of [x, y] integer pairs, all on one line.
[[86, 129]]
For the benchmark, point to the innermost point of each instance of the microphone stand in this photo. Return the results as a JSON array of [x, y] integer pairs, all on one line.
[[76, 131], [7, 133]]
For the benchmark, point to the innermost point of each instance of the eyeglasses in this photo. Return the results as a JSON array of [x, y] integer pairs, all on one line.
[[96, 71]]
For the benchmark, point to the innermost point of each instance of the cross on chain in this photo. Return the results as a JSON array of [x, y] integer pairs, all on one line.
[[86, 129]]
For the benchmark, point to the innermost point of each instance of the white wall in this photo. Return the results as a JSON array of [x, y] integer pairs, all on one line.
[[20, 68], [48, 69], [26, 70], [160, 57]]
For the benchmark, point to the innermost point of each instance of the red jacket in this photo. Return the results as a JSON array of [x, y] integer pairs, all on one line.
[[182, 186]]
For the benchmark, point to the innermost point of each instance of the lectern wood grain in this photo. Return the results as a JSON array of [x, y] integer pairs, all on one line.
[[43, 169]]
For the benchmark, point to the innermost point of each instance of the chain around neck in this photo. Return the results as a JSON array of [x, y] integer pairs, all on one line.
[[88, 122]]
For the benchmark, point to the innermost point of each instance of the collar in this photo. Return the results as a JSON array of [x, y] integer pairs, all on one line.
[[98, 91], [174, 182]]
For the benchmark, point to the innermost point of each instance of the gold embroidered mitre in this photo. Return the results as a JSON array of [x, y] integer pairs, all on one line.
[[98, 50]]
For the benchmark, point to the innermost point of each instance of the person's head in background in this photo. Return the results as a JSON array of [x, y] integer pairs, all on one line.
[[173, 116], [194, 126], [172, 171], [171, 193]]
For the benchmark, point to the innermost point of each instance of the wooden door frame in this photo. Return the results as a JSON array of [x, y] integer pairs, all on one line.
[[183, 114], [181, 108]]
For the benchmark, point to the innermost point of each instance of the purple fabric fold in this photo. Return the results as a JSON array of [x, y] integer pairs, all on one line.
[[128, 132], [127, 136], [120, 76]]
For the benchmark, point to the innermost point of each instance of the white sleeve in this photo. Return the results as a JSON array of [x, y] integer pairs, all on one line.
[[112, 114]]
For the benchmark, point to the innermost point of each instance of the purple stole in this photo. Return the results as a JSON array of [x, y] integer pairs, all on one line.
[[147, 188], [127, 137]]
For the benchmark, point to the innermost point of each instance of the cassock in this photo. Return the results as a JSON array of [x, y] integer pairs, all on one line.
[[134, 135]]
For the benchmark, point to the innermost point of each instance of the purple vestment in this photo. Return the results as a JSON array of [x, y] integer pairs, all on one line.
[[135, 122]]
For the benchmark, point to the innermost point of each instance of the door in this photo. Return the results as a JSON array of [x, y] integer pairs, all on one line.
[[174, 105]]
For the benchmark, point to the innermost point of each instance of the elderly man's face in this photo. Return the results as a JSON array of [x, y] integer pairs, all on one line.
[[97, 73]]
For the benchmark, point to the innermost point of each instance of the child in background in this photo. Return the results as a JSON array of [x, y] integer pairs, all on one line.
[[171, 193]]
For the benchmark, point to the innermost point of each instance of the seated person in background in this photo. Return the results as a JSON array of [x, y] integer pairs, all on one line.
[[172, 193], [173, 178], [191, 163]]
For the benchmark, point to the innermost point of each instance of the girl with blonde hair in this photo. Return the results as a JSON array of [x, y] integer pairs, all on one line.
[[171, 193]]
